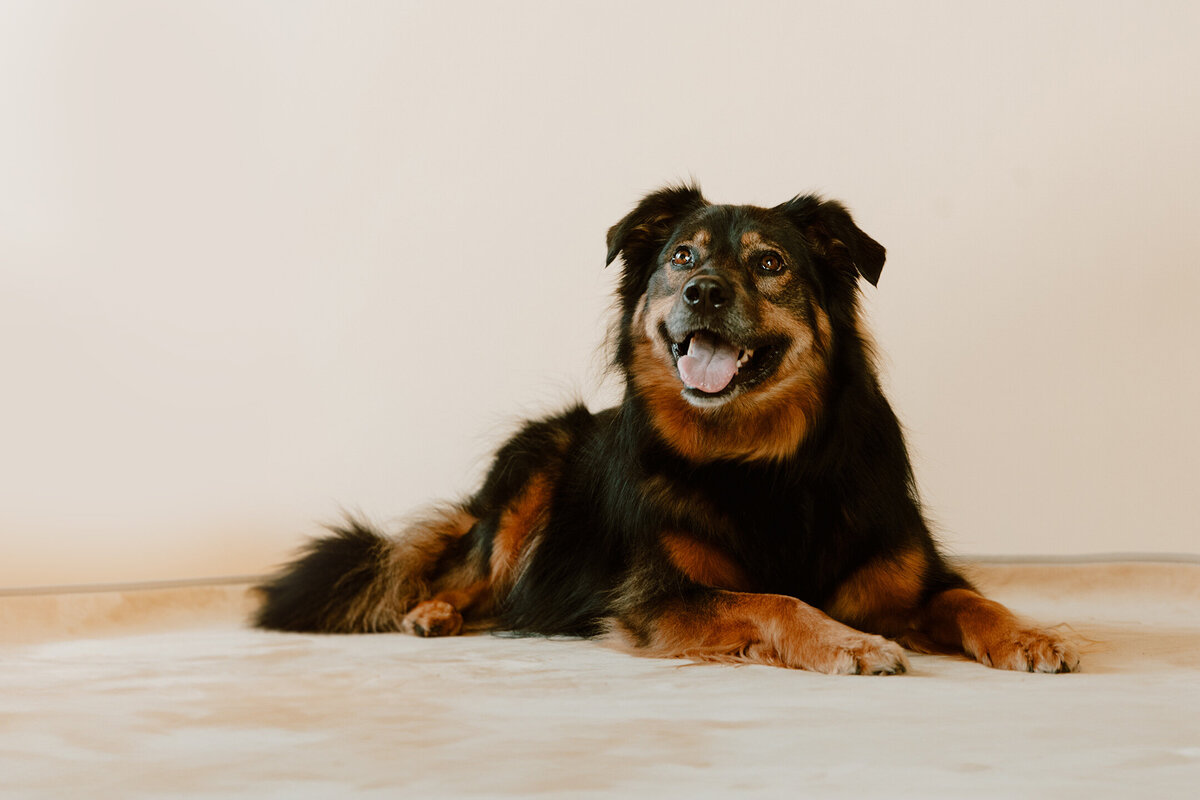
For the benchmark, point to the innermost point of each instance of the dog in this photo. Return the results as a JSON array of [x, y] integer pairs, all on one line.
[[750, 500]]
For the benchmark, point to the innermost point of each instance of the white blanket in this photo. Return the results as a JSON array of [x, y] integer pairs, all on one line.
[[165, 692]]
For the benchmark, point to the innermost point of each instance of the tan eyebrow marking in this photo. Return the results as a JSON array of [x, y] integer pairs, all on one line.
[[753, 240]]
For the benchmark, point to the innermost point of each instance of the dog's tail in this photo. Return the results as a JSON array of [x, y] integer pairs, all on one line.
[[360, 581]]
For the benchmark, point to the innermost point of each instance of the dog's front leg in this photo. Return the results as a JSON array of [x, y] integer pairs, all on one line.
[[963, 620], [717, 625]]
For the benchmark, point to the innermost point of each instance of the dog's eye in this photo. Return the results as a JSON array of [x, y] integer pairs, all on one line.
[[682, 257], [771, 262]]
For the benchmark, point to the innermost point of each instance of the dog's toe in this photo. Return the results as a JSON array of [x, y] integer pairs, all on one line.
[[1032, 650], [881, 658], [432, 618], [867, 655]]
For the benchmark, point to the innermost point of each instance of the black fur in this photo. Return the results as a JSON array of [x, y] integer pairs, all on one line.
[[332, 572], [566, 534]]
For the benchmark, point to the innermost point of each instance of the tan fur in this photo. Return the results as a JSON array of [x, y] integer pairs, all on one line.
[[762, 629], [753, 243], [703, 563], [444, 613], [881, 596], [768, 423], [651, 314], [405, 564], [753, 240], [442, 604], [519, 527], [433, 618], [962, 620]]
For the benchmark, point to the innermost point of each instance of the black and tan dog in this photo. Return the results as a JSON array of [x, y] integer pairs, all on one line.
[[749, 500]]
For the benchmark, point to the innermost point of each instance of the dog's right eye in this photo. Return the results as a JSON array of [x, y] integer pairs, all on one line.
[[682, 257]]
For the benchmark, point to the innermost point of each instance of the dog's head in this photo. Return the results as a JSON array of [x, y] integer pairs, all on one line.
[[730, 316]]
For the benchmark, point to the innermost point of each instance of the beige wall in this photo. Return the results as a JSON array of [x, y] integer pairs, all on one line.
[[261, 261]]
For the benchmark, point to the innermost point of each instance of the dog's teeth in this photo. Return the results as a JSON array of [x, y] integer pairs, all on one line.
[[746, 354]]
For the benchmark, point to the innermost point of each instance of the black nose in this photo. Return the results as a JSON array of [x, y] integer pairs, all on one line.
[[706, 292]]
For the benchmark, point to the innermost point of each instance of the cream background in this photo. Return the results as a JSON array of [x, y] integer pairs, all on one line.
[[260, 261]]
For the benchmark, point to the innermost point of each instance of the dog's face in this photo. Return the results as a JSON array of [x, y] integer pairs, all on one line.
[[731, 305], [730, 315]]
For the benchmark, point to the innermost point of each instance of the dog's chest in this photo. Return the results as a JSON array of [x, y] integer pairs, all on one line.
[[791, 536]]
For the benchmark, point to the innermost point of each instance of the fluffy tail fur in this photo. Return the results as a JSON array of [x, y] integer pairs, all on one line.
[[359, 581]]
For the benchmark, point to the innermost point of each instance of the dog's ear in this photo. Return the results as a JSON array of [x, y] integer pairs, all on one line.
[[829, 228], [643, 233]]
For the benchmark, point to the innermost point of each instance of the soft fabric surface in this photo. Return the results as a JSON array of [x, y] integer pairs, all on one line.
[[164, 692]]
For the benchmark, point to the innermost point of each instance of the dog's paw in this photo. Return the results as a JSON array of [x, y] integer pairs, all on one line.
[[863, 654], [432, 618], [1030, 650]]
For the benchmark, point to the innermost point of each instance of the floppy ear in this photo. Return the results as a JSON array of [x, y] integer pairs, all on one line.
[[643, 233], [828, 226]]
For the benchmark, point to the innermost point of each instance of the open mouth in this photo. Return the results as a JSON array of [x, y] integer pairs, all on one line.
[[712, 367]]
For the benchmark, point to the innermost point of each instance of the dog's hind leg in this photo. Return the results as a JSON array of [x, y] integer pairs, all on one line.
[[446, 571], [443, 614], [360, 581]]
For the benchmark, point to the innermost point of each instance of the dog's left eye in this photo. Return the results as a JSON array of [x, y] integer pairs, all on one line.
[[682, 257], [771, 262]]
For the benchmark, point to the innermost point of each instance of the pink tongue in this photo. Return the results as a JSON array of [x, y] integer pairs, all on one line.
[[710, 363]]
